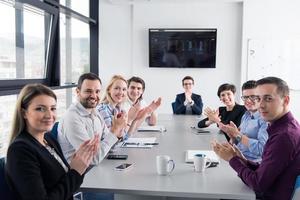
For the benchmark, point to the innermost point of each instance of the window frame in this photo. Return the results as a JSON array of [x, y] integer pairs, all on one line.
[[52, 78]]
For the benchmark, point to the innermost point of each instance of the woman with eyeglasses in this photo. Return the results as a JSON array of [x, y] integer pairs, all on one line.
[[36, 167], [251, 136], [230, 112], [188, 103]]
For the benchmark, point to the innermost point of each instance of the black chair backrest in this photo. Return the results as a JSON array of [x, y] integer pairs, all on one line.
[[5, 192], [173, 107]]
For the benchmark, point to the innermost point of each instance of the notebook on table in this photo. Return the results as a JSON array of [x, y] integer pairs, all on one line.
[[211, 155]]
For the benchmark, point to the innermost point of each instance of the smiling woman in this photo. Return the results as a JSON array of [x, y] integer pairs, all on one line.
[[36, 167], [115, 96], [230, 112]]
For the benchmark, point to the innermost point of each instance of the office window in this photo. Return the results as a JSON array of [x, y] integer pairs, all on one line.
[[23, 49], [74, 48], [51, 42], [47, 42], [7, 107], [30, 24], [7, 41], [81, 6], [35, 43], [64, 99]]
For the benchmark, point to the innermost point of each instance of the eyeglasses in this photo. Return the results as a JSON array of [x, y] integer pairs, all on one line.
[[251, 98], [256, 98], [188, 84]]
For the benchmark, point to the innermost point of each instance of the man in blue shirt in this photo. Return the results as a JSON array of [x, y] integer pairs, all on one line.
[[251, 136]]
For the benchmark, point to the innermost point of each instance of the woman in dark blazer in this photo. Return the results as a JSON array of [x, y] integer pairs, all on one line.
[[188, 102], [230, 112], [36, 168]]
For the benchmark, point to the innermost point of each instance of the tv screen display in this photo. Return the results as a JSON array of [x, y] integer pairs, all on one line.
[[182, 48]]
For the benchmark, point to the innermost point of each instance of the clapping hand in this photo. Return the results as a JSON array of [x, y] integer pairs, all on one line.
[[213, 115], [149, 109], [82, 158], [239, 153], [143, 113], [154, 105], [119, 124], [225, 150], [188, 96], [230, 129], [133, 111]]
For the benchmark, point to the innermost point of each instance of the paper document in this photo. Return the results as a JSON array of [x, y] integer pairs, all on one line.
[[158, 128], [139, 142], [211, 155]]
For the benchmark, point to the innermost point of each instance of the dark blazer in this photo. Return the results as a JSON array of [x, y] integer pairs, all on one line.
[[180, 108], [235, 115], [33, 173]]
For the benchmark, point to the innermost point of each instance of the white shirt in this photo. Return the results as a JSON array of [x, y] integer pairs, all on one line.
[[77, 126]]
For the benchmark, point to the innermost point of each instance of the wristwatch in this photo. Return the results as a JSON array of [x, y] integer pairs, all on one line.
[[238, 139]]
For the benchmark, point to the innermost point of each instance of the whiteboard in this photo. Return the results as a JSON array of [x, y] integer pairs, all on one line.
[[271, 57]]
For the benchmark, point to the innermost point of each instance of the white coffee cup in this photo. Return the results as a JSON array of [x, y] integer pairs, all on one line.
[[164, 164], [200, 162]]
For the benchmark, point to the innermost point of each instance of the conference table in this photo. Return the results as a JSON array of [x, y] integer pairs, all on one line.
[[141, 181]]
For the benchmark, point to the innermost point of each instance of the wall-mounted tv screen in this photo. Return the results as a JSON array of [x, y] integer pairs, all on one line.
[[182, 48]]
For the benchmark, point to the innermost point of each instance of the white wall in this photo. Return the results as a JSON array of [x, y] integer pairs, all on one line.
[[114, 40], [277, 19], [124, 45]]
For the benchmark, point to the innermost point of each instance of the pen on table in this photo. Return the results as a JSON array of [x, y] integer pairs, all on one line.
[[131, 143], [147, 143], [153, 143]]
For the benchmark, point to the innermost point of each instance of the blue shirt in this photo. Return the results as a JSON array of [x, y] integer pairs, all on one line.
[[107, 111], [254, 127]]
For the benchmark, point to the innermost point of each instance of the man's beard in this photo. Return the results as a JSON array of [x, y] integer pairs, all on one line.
[[87, 104]]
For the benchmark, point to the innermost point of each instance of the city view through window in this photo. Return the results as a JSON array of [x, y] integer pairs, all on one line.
[[23, 50]]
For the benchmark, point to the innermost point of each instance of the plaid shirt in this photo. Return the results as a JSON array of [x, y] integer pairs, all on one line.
[[107, 111]]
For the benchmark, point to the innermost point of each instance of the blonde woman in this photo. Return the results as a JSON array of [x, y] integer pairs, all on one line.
[[111, 105], [36, 167]]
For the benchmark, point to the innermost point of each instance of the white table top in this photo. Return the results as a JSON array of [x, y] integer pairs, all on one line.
[[142, 179]]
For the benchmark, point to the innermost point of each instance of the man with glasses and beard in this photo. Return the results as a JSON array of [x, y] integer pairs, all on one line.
[[82, 121]]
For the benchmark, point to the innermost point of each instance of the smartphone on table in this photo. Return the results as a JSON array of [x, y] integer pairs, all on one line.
[[123, 166]]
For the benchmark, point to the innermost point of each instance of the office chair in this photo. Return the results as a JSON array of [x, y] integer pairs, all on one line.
[[173, 107], [5, 192], [54, 130], [296, 194]]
